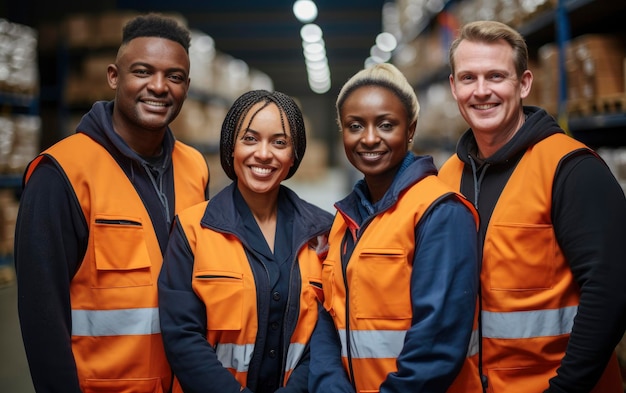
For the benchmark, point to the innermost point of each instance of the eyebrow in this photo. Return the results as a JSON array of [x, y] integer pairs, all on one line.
[[253, 131], [151, 66]]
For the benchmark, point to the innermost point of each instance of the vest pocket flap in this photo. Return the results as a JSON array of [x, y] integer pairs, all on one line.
[[132, 385], [378, 293], [506, 271], [223, 295], [119, 243], [315, 283], [328, 277]]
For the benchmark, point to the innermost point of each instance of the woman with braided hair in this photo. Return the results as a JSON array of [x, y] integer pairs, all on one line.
[[241, 276]]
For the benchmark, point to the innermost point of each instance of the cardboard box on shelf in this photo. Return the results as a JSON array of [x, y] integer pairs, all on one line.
[[600, 61], [109, 25], [199, 123], [314, 165], [79, 31]]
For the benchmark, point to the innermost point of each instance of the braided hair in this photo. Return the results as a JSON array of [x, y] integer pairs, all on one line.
[[233, 125], [155, 25]]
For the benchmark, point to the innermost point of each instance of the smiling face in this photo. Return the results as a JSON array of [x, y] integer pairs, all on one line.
[[263, 152], [488, 90], [151, 79], [376, 132]]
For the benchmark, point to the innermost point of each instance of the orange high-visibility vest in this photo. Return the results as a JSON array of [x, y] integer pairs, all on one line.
[[380, 301], [529, 295], [223, 279], [116, 338]]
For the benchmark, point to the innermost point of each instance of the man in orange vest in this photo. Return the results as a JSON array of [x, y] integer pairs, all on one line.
[[552, 228], [94, 222]]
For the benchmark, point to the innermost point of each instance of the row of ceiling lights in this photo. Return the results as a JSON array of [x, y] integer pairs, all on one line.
[[314, 48]]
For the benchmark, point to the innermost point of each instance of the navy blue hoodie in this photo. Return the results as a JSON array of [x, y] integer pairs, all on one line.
[[51, 239]]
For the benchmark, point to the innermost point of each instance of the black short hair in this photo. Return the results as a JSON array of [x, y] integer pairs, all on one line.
[[156, 25], [233, 124]]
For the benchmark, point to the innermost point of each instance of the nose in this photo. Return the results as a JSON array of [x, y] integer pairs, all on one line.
[[370, 136], [263, 152], [482, 87], [158, 84]]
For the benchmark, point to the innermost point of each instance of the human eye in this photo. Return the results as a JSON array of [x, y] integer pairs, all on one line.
[[141, 72], [281, 143], [386, 126], [354, 127], [466, 78], [497, 76], [177, 77], [248, 138]]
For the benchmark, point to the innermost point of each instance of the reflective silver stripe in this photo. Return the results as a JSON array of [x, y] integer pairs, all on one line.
[[472, 348], [132, 321], [528, 324], [294, 354], [373, 344], [235, 356]]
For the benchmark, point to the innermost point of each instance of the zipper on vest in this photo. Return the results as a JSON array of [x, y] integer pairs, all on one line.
[[344, 267]]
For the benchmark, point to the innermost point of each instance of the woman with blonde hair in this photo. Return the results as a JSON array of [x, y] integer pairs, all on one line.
[[401, 275]]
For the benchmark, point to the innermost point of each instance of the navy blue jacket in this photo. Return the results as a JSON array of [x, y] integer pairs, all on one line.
[[183, 313], [445, 251]]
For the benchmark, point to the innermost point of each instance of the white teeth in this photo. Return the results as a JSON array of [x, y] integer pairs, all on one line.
[[371, 155], [155, 103], [261, 171], [484, 106]]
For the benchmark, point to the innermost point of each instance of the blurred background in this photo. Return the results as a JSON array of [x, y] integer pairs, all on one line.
[[53, 58]]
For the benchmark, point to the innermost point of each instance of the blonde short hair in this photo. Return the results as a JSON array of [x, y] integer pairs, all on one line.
[[385, 75], [491, 31]]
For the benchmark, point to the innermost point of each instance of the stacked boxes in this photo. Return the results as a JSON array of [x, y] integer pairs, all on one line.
[[599, 66], [594, 71]]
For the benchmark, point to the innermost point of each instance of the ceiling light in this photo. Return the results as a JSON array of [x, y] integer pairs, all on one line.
[[305, 10], [380, 55], [311, 32], [386, 41]]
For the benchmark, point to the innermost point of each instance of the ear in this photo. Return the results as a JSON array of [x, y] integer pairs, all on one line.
[[112, 76], [452, 88], [526, 82], [411, 130]]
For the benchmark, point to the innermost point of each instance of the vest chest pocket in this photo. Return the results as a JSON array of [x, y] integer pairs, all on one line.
[[223, 295], [328, 286], [380, 284], [520, 257], [121, 254]]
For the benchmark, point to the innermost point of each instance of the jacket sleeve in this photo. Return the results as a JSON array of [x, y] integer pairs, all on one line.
[[184, 324], [50, 241], [326, 372], [589, 215], [444, 283], [299, 378]]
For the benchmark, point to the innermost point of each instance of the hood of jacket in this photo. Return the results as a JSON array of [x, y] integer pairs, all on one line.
[[538, 126], [98, 125]]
